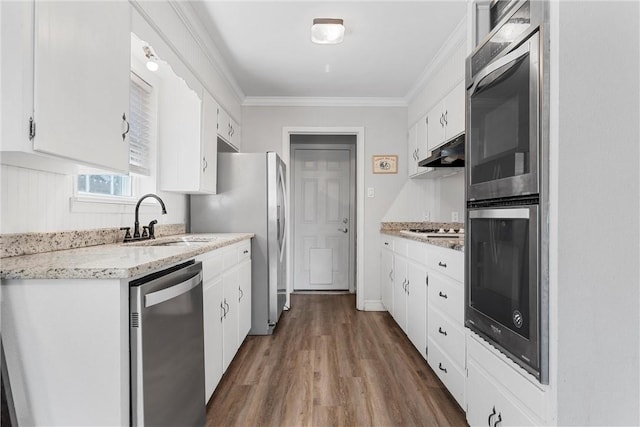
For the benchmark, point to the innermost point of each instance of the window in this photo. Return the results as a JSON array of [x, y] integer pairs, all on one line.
[[142, 111]]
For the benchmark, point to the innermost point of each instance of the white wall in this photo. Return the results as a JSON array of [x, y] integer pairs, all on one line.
[[385, 133], [433, 199], [595, 186]]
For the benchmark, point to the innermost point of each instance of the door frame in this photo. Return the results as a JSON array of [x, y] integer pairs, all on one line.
[[358, 131]]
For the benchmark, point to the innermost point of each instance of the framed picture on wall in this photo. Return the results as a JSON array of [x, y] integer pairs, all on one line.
[[385, 163]]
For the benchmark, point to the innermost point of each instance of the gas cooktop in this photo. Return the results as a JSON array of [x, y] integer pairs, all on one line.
[[433, 233]]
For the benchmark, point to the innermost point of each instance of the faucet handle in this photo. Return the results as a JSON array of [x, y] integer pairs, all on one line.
[[152, 229], [145, 234], [127, 235]]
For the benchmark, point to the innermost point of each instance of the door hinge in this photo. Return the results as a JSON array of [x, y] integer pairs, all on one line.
[[32, 128]]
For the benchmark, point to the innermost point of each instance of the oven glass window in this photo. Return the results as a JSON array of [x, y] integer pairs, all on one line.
[[499, 276], [499, 125]]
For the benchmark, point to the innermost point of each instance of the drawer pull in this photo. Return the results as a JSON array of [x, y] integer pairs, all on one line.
[[441, 331], [386, 243], [246, 251], [491, 415], [442, 295], [441, 368], [442, 264]]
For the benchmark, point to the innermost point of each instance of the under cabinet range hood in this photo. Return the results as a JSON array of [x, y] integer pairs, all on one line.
[[450, 154]]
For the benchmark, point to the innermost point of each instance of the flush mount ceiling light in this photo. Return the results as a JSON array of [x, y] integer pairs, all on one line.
[[152, 64], [327, 30]]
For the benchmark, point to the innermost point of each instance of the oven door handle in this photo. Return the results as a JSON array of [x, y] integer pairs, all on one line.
[[500, 66], [500, 213]]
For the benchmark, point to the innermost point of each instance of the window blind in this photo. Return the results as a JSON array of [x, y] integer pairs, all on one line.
[[140, 120]]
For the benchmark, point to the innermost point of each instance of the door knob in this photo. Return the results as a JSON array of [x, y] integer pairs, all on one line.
[[345, 220], [344, 230]]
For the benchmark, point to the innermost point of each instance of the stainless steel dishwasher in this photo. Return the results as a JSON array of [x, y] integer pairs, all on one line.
[[167, 348]]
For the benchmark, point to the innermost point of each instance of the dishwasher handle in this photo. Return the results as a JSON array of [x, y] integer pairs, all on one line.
[[176, 290]]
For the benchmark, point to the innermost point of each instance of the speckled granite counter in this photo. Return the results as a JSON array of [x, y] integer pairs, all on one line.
[[113, 261], [395, 228]]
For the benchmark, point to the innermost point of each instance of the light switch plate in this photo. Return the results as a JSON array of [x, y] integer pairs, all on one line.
[[454, 216], [371, 192]]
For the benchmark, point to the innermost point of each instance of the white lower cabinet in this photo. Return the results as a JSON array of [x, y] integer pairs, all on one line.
[[417, 306], [227, 308], [499, 393], [386, 272]]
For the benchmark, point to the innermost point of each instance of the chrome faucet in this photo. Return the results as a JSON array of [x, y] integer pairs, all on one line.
[[150, 227]]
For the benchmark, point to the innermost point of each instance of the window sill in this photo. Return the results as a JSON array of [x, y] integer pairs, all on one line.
[[110, 205]]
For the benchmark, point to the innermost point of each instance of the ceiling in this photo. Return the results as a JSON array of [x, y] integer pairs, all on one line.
[[387, 45]]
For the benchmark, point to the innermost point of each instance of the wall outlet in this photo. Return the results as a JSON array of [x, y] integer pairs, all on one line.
[[371, 192], [454, 216]]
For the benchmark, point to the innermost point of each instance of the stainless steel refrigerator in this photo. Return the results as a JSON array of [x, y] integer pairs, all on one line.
[[251, 197]]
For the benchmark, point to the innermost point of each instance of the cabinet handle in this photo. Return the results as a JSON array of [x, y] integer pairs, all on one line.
[[442, 295], [241, 294], [441, 368], [205, 165], [418, 153], [124, 135], [491, 415], [407, 287], [498, 421], [441, 118], [246, 251], [223, 312], [228, 308], [442, 264], [390, 274], [446, 115], [441, 331], [426, 280]]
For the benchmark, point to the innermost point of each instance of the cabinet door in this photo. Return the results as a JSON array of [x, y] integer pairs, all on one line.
[[224, 124], [234, 133], [487, 405], [81, 88], [213, 315], [412, 148], [423, 138], [435, 127], [386, 279], [209, 144], [230, 323], [399, 292], [244, 300], [454, 112], [417, 306]]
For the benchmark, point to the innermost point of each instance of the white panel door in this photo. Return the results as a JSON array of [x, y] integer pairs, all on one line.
[[400, 291], [322, 194], [213, 316], [417, 306], [82, 68], [230, 317]]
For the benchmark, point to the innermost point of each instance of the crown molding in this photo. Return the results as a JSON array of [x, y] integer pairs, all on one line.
[[184, 10], [304, 101], [457, 38]]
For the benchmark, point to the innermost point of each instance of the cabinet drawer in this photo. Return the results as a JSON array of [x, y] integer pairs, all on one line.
[[506, 374], [446, 261], [230, 256], [447, 296], [447, 371], [487, 403], [244, 250], [450, 338], [386, 241]]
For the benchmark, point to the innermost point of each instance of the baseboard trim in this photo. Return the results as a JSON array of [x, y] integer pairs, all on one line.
[[374, 305]]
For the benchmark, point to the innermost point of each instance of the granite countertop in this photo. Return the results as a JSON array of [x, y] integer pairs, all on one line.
[[395, 228], [114, 261]]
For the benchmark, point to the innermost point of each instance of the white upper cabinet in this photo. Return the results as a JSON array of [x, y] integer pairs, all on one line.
[[412, 148], [81, 82], [422, 144], [447, 118], [208, 145], [228, 129]]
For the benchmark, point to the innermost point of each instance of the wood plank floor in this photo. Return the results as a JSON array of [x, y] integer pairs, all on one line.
[[331, 365]]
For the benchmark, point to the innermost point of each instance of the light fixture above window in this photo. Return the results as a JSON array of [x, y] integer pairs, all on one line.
[[152, 64], [327, 30]]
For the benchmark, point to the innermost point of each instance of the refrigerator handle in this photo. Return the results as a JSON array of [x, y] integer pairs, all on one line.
[[284, 215]]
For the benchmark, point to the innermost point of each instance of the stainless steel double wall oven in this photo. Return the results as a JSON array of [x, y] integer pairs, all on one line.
[[506, 174]]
